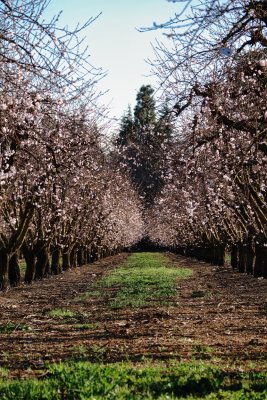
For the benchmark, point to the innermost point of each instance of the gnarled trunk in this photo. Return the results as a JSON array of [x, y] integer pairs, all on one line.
[[260, 267], [81, 257], [55, 262], [219, 254], [93, 255], [30, 259], [66, 261], [234, 258], [242, 256], [73, 258], [4, 264], [250, 259], [14, 270], [88, 255], [42, 264]]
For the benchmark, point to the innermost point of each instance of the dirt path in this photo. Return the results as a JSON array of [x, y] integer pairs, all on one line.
[[217, 314]]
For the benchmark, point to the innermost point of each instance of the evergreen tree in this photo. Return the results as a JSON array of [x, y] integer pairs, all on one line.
[[165, 124], [144, 112], [126, 131], [141, 143]]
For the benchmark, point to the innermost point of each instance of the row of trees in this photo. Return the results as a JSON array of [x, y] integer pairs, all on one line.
[[63, 202], [200, 187], [215, 75]]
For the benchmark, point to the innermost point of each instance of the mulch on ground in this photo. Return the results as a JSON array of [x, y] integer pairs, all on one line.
[[218, 314]]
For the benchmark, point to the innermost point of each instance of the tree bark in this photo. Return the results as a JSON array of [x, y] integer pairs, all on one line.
[[30, 259], [234, 256], [242, 258], [81, 257], [250, 259], [73, 258], [260, 267], [93, 256], [14, 270], [66, 261], [4, 264], [88, 253], [55, 262], [42, 263], [30, 267], [220, 250]]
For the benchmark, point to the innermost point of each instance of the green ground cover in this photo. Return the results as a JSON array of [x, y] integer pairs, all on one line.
[[142, 279], [126, 381], [11, 327]]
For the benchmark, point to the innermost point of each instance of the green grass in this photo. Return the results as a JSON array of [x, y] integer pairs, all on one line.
[[11, 327], [79, 320], [85, 327], [126, 381], [87, 295], [22, 265], [3, 373], [62, 313], [228, 257], [144, 278]]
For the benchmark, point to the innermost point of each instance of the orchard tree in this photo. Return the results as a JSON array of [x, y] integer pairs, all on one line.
[[57, 186], [215, 76]]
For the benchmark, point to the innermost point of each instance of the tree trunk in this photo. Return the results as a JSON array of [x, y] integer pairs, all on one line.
[[241, 258], [66, 261], [250, 259], [30, 259], [14, 270], [88, 254], [93, 256], [4, 264], [48, 271], [80, 257], [219, 255], [234, 258], [42, 263], [73, 258], [214, 255], [264, 264], [260, 267], [55, 262]]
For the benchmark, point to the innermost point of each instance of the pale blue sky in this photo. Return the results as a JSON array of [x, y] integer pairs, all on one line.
[[115, 44]]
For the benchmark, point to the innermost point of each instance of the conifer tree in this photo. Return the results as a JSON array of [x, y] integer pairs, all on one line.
[[144, 112], [126, 129], [141, 142]]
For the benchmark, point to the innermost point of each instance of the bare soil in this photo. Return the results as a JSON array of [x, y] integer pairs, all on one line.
[[218, 315]]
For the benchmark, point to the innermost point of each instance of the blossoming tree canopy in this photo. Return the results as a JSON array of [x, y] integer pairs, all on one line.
[[59, 194], [215, 75]]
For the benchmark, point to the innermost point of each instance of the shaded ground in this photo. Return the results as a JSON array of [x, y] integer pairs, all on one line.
[[218, 314]]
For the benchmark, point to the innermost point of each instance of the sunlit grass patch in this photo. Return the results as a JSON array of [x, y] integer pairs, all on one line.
[[126, 381], [61, 313], [85, 327], [144, 278], [3, 373]]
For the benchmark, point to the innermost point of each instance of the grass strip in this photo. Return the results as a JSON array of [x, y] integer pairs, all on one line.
[[121, 381], [144, 278]]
